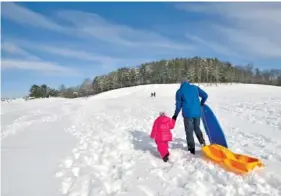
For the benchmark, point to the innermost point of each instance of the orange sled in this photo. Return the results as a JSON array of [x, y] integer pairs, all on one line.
[[237, 163]]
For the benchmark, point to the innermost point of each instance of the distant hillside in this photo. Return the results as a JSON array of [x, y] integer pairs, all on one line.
[[196, 69]]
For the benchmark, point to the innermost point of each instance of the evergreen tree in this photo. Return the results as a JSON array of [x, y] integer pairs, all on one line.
[[196, 69]]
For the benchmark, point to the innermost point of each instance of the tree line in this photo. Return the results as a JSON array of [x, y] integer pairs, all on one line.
[[196, 70], [43, 91]]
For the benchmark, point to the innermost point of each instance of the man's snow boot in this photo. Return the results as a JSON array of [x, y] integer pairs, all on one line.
[[204, 144], [191, 150]]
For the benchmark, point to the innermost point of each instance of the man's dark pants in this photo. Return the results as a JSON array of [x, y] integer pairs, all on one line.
[[191, 124]]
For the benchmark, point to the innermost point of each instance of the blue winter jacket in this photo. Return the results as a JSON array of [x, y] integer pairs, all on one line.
[[187, 99]]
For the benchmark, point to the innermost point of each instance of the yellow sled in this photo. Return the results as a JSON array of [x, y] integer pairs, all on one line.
[[237, 163]]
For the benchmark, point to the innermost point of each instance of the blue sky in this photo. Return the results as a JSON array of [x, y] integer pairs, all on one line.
[[64, 43]]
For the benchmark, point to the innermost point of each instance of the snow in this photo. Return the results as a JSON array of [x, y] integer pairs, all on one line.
[[100, 145], [33, 145]]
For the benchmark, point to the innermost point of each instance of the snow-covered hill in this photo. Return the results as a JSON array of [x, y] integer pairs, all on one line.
[[111, 153]]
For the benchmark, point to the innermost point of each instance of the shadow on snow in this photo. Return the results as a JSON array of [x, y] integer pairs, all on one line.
[[143, 142]]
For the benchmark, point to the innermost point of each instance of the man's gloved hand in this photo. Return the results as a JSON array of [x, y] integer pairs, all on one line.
[[174, 117], [202, 104]]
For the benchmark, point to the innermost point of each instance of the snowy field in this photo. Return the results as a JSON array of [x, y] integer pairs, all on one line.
[[101, 145]]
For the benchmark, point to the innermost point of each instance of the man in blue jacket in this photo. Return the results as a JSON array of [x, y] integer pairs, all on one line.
[[187, 99]]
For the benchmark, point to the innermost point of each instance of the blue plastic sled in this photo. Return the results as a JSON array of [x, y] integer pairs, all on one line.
[[212, 127]]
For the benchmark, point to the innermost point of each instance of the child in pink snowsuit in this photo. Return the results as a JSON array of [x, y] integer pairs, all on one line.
[[161, 133]]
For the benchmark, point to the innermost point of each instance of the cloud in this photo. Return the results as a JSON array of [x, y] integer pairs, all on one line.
[[67, 52], [24, 16], [99, 61], [83, 55], [217, 47], [244, 11], [39, 66], [117, 44], [13, 49], [21, 59], [250, 29], [72, 52], [252, 44], [95, 26]]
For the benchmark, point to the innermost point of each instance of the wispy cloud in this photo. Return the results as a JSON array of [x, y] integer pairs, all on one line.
[[252, 44], [108, 44], [124, 40], [21, 59], [24, 16], [40, 66], [14, 49], [108, 31], [71, 52], [93, 27], [99, 61], [66, 51], [251, 29], [216, 47]]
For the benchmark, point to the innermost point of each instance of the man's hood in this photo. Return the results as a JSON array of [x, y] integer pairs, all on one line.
[[184, 84]]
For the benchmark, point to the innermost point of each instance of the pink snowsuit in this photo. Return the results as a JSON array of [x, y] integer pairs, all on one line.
[[161, 133]]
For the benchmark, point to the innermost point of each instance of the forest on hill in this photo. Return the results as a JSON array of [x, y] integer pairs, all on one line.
[[196, 70]]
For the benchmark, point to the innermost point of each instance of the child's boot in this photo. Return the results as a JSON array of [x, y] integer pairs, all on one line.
[[166, 157]]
